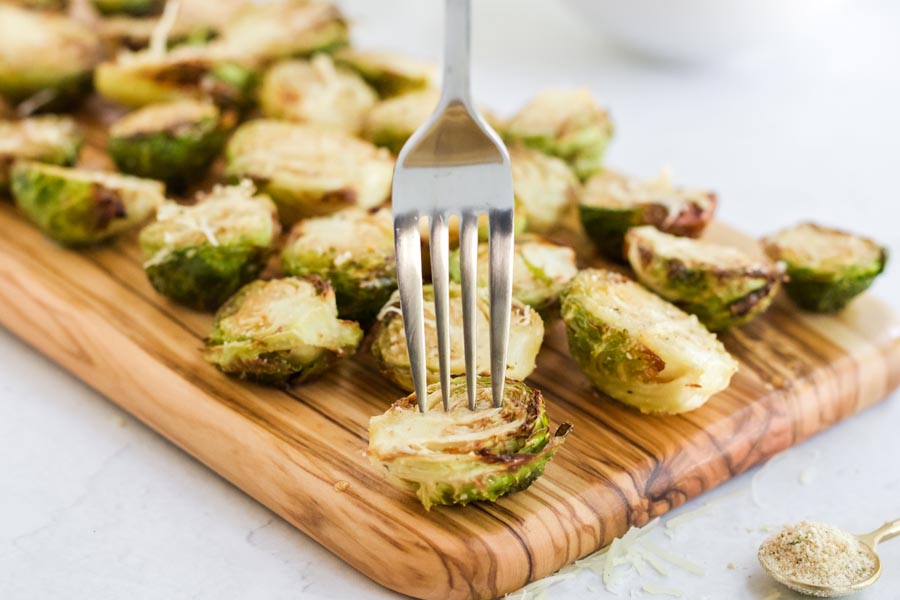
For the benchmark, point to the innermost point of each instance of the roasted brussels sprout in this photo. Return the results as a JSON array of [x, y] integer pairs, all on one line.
[[564, 123], [354, 250], [186, 72], [294, 28], [389, 73], [463, 455], [540, 270], [50, 139], [172, 141], [74, 206], [123, 33], [723, 286], [392, 121], [639, 349], [281, 332], [317, 93], [309, 171], [612, 203], [44, 57], [135, 8], [198, 21], [200, 255], [826, 268], [526, 333], [544, 186]]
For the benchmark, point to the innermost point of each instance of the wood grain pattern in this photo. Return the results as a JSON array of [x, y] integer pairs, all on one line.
[[96, 315]]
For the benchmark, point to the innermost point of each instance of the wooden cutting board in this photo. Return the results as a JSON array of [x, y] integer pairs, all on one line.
[[301, 452]]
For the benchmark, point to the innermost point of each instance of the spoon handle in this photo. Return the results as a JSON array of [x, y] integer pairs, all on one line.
[[885, 532]]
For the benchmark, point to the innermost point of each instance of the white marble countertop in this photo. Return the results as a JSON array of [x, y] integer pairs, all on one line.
[[96, 506]]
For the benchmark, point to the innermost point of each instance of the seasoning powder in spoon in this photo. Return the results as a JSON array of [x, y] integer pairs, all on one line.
[[817, 554]]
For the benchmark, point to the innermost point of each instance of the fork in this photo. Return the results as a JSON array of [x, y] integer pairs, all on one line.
[[454, 164]]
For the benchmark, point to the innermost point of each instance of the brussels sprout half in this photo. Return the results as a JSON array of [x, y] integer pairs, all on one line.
[[309, 171], [174, 141], [75, 206], [391, 122], [135, 8], [564, 123], [200, 255], [612, 203], [545, 187], [540, 270], [723, 286], [294, 28], [144, 77], [49, 139], [826, 268], [354, 250], [44, 57], [639, 349], [317, 93], [462, 456], [389, 73], [281, 332], [526, 333], [197, 22]]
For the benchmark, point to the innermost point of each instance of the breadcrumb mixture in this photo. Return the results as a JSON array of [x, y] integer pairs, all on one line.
[[817, 554]]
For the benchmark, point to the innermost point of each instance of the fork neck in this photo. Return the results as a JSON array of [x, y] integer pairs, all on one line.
[[457, 42]]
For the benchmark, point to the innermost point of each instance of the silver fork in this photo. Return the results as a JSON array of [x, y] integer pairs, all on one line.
[[454, 164]]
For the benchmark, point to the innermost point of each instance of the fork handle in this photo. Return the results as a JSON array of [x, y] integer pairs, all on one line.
[[457, 28]]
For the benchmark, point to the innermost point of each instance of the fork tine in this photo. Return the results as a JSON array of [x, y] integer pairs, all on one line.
[[468, 263], [501, 250], [440, 279], [407, 245]]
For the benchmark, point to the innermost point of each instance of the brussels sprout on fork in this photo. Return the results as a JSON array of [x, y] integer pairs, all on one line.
[[461, 455]]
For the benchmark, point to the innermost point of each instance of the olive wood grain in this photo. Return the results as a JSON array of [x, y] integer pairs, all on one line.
[[94, 312]]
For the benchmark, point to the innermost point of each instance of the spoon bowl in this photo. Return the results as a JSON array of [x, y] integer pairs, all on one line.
[[869, 541]]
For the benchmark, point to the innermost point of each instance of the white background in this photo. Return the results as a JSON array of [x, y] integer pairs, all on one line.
[[95, 506]]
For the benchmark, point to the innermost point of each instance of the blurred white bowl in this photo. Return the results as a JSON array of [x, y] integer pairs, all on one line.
[[699, 30]]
